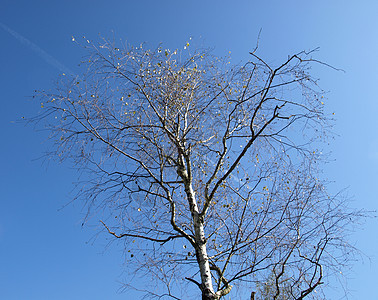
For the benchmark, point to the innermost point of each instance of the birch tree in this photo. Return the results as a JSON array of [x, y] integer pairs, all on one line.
[[209, 173]]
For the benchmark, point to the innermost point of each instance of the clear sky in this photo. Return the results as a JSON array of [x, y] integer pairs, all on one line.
[[45, 253]]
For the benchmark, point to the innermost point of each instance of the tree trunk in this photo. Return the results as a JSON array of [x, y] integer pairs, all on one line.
[[201, 251], [202, 258], [208, 295], [199, 236]]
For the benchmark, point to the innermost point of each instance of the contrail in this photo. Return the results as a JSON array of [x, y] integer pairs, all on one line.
[[43, 54]]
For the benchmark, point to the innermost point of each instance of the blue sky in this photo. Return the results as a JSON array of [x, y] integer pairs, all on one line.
[[44, 251]]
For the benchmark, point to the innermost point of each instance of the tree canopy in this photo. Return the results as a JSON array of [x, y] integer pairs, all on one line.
[[210, 173]]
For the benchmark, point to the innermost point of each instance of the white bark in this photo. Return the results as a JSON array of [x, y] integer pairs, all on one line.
[[199, 235], [201, 251]]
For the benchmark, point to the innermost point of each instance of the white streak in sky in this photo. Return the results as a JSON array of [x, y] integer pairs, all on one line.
[[43, 54]]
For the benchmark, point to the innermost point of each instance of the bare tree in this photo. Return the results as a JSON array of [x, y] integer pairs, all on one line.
[[208, 172]]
